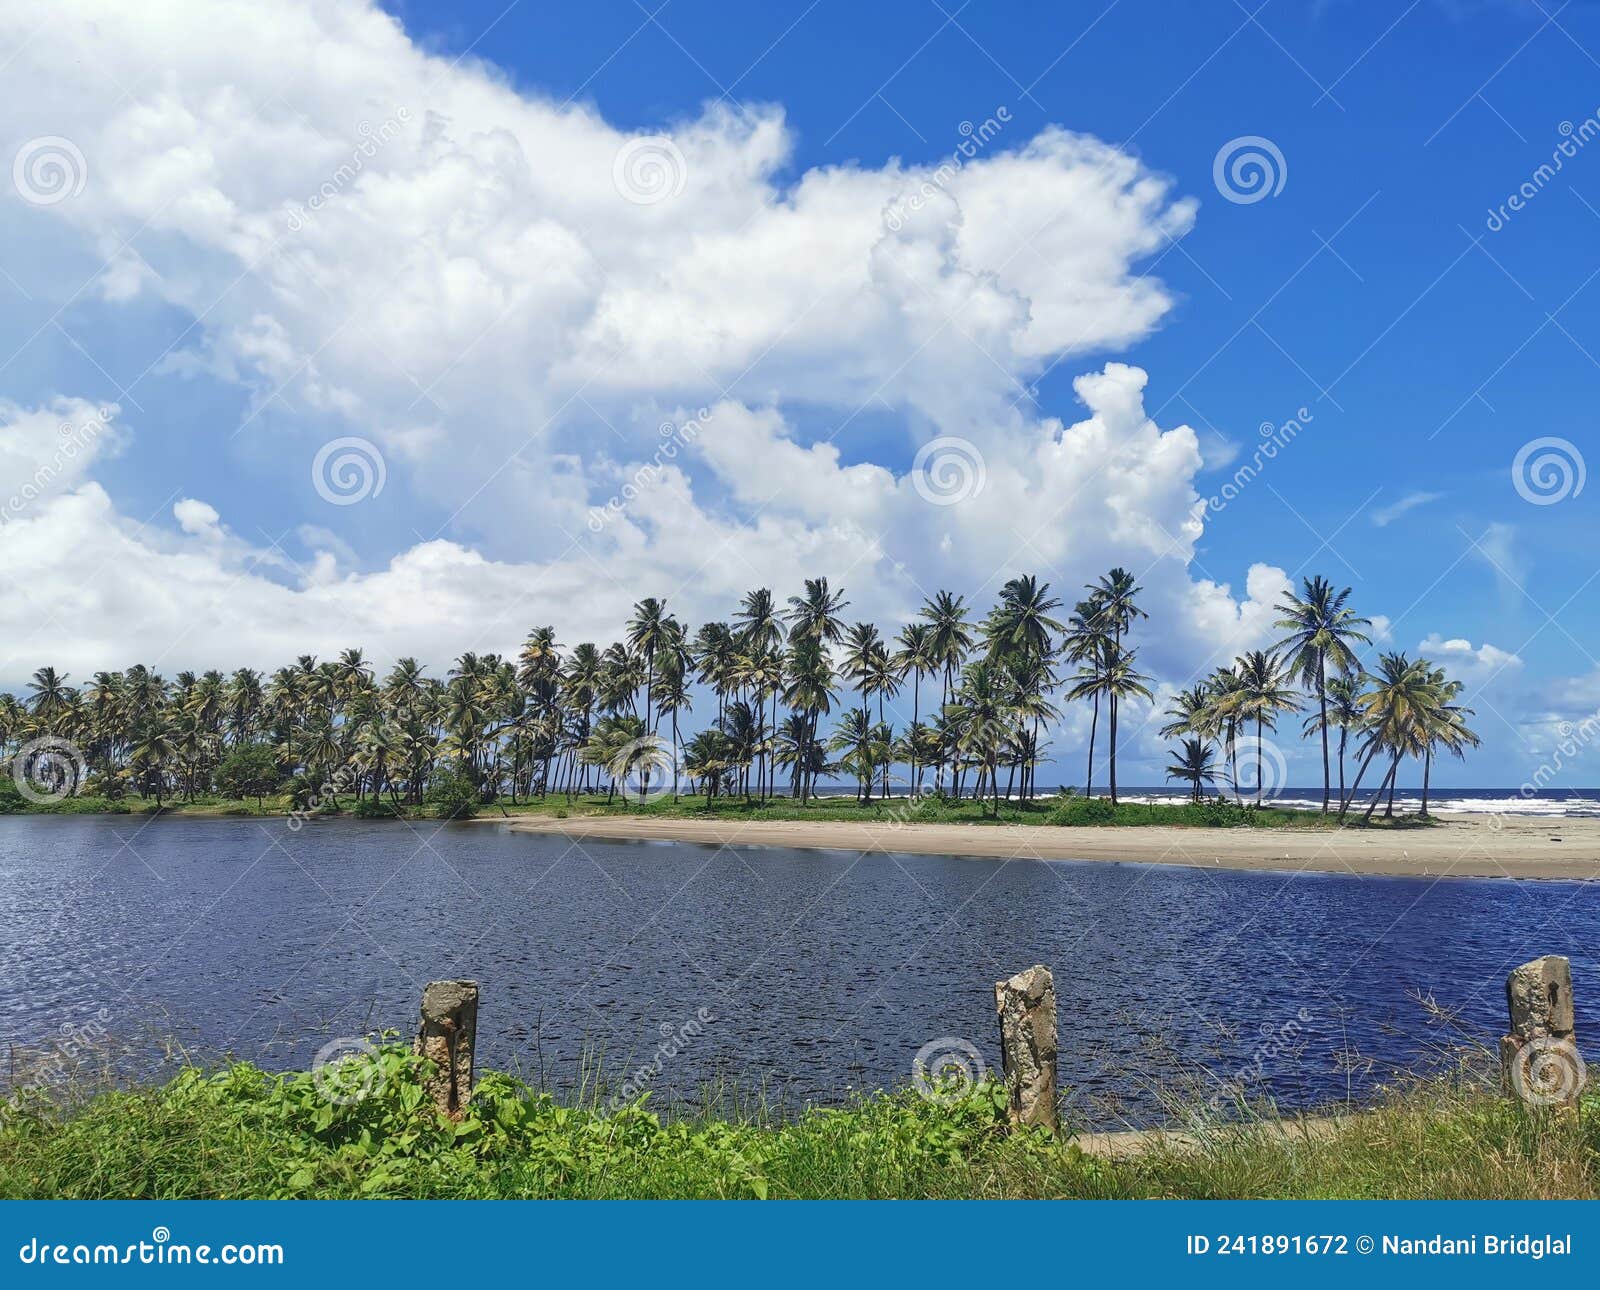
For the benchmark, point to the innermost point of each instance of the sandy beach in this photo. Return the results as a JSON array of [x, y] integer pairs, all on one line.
[[1463, 846]]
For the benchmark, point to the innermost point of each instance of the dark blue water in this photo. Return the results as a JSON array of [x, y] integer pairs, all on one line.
[[823, 970]]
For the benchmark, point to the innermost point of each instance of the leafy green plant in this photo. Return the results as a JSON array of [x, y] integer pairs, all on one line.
[[371, 1131], [453, 796]]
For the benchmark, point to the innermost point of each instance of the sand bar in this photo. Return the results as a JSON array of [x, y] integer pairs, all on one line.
[[1463, 846]]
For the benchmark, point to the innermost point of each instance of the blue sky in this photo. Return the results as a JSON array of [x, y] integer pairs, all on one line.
[[1370, 290]]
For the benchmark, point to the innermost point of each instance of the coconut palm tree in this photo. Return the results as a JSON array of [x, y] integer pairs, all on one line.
[[1120, 681], [915, 658], [1193, 764], [1399, 696], [982, 716], [808, 688], [1087, 643], [1191, 712], [1262, 697], [1342, 712], [1021, 623], [1322, 631], [815, 615], [1443, 726], [51, 697]]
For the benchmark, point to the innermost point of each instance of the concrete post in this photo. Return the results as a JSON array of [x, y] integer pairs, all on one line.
[[448, 1037], [1539, 1058], [1026, 1005]]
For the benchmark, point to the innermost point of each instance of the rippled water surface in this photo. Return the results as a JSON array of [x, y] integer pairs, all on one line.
[[823, 970]]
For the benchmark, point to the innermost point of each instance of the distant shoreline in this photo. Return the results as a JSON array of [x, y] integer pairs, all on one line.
[[1458, 844], [1461, 846]]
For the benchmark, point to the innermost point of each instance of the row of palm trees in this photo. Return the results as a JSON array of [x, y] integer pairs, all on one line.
[[1404, 708], [799, 691]]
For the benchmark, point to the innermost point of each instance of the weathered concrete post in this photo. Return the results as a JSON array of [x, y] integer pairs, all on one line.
[[1539, 1059], [447, 1037], [1027, 1008]]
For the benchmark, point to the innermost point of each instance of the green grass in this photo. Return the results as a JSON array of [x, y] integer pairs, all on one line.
[[1070, 811], [241, 1132]]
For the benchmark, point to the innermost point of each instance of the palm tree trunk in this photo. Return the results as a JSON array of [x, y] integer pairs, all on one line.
[[1259, 751], [1387, 779], [1088, 784], [1322, 700], [916, 713], [1113, 749], [1427, 770], [1344, 804]]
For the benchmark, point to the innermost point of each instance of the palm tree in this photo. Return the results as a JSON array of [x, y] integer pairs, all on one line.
[[1321, 632], [1262, 696], [672, 693], [1191, 713], [951, 641], [1120, 681], [1401, 693], [914, 658], [545, 716], [856, 737], [808, 687], [1193, 765], [649, 631], [1087, 643], [861, 648], [1444, 726], [981, 716], [1342, 712], [815, 615], [51, 696], [1021, 622], [760, 624]]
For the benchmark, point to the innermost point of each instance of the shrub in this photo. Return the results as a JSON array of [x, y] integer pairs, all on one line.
[[251, 770], [453, 796], [378, 808], [1084, 810]]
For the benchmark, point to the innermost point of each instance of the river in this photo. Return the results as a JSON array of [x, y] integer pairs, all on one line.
[[809, 973]]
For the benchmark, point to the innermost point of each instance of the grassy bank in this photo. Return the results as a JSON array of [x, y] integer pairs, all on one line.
[[1070, 811], [240, 1132]]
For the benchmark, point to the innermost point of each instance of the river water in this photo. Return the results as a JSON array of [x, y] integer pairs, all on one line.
[[810, 973]]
